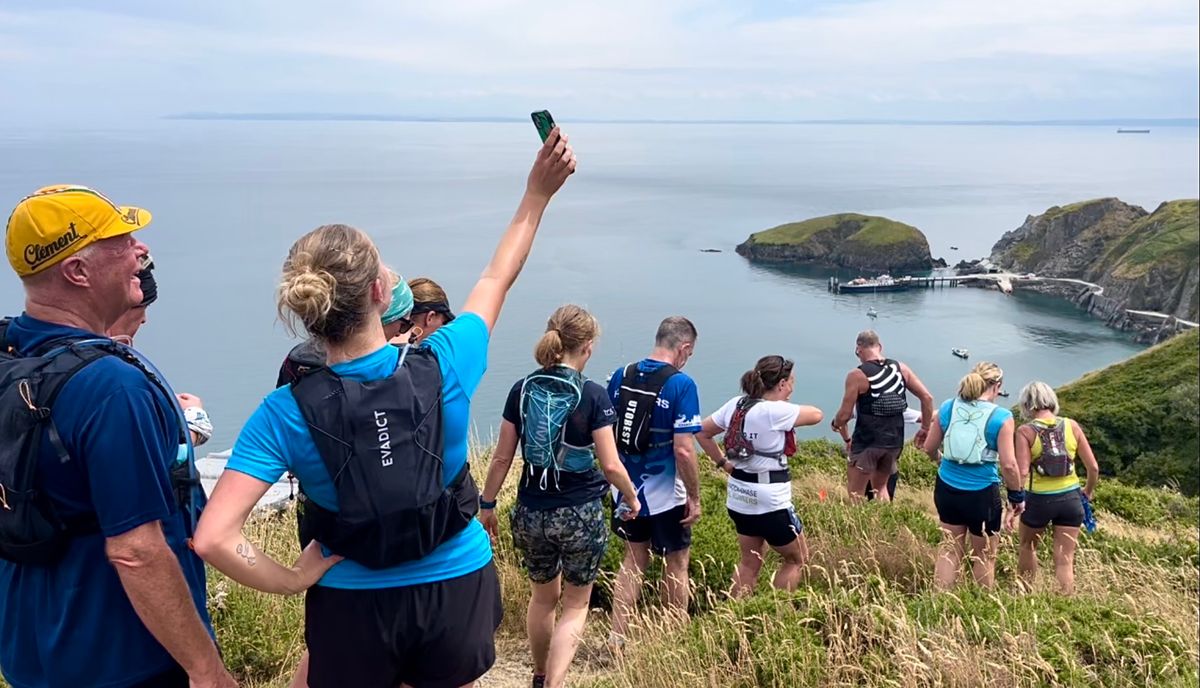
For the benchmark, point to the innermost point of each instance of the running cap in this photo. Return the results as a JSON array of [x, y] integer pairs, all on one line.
[[57, 221]]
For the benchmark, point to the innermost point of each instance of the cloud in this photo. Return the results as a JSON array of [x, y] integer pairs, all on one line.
[[705, 58]]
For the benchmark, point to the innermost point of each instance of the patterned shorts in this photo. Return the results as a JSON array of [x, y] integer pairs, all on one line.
[[569, 540]]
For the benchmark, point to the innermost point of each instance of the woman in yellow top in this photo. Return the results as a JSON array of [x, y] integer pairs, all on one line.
[[1047, 447]]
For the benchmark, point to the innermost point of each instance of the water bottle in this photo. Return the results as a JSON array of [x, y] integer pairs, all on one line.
[[1089, 517], [622, 510]]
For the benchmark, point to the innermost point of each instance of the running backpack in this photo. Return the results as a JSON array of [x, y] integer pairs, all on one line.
[[382, 443], [1054, 461], [738, 447], [548, 398], [965, 441], [636, 401], [31, 531], [887, 389]]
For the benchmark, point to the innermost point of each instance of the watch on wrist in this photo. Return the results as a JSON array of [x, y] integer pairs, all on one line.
[[483, 504]]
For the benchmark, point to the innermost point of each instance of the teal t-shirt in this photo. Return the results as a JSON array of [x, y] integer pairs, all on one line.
[[981, 476], [276, 440]]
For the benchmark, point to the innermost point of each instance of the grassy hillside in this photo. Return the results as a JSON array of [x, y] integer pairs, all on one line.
[[872, 231], [1142, 416], [867, 614], [1171, 234]]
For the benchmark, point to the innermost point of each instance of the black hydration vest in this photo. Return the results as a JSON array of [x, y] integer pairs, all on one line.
[[880, 411], [382, 444], [31, 530], [636, 401]]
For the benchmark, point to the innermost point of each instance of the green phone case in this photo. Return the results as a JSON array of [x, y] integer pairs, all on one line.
[[544, 123]]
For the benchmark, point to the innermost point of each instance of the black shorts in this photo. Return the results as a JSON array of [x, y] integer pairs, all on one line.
[[979, 510], [1063, 509], [779, 528], [433, 634], [175, 677], [663, 531]]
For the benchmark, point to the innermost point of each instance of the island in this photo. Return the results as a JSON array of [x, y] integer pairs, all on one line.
[[865, 243]]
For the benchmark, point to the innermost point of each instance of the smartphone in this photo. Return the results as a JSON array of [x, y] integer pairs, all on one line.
[[544, 123]]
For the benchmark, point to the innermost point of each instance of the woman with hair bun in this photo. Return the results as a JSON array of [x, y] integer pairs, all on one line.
[[559, 525], [974, 440], [759, 439], [397, 572]]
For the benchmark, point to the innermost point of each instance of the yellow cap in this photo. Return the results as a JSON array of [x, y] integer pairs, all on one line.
[[57, 221]]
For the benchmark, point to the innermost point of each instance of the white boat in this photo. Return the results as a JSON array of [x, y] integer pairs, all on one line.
[[961, 353], [872, 313]]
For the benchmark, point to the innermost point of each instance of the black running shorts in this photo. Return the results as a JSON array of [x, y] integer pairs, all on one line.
[[663, 531], [979, 510], [433, 635], [1064, 509], [779, 528]]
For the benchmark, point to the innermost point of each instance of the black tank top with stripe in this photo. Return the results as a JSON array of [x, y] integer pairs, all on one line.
[[880, 410]]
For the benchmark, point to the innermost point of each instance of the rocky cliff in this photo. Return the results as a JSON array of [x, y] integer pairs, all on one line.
[[859, 242], [1145, 261]]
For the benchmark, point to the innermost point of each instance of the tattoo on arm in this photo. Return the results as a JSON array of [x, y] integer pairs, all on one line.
[[246, 551]]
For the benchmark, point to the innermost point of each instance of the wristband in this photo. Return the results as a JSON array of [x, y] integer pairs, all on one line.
[[485, 504], [722, 462], [1016, 497]]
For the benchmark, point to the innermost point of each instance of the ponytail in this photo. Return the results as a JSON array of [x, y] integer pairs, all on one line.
[[975, 383], [752, 384], [549, 349], [766, 375]]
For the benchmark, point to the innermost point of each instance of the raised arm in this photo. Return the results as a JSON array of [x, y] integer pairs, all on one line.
[[555, 162], [220, 541], [1084, 450], [502, 459]]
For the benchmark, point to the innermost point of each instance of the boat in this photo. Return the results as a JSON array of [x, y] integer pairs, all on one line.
[[961, 353], [862, 285], [1133, 131], [872, 313], [953, 248], [1002, 393]]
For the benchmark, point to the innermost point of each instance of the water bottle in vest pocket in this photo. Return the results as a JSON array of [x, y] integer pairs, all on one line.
[[1055, 461], [548, 398], [965, 441]]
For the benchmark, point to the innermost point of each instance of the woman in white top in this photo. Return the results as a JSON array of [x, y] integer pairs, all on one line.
[[759, 440]]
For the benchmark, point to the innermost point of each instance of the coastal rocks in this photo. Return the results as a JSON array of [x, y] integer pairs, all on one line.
[[1142, 261], [859, 242]]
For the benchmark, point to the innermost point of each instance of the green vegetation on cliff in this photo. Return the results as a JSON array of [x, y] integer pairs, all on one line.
[[1171, 234], [850, 240], [1142, 415], [870, 230]]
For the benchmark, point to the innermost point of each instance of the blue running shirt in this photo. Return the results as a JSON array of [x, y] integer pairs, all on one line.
[[276, 440], [677, 412], [982, 476]]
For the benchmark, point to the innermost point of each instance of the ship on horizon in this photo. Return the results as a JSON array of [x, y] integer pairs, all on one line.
[[1133, 131]]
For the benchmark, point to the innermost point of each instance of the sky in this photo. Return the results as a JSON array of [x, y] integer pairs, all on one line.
[[85, 62]]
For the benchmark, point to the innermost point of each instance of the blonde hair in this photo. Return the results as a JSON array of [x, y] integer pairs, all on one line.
[[426, 290], [1037, 396], [326, 282], [975, 383], [569, 328]]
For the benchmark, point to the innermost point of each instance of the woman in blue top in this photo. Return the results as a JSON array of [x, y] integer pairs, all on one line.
[[974, 440], [429, 619], [559, 525]]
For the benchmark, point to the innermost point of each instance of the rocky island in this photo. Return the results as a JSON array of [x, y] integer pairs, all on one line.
[[1139, 260], [865, 243]]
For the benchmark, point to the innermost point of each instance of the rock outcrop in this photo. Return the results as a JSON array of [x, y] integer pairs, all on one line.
[[859, 242], [1143, 261]]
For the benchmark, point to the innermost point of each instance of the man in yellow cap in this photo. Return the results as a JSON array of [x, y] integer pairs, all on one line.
[[97, 583]]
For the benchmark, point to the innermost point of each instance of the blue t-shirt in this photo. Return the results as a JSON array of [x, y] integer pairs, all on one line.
[[981, 476], [71, 624], [677, 411], [276, 439]]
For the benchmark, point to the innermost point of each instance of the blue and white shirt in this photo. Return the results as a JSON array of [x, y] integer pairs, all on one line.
[[677, 412]]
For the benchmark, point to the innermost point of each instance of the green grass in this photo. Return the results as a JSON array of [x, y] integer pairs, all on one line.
[[1170, 233], [1140, 415], [869, 230]]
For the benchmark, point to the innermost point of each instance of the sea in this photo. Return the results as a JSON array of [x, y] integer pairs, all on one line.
[[624, 237]]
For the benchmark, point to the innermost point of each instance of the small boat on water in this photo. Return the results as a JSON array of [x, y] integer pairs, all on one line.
[[862, 285], [1003, 394], [961, 353], [953, 248], [872, 313], [1133, 131]]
